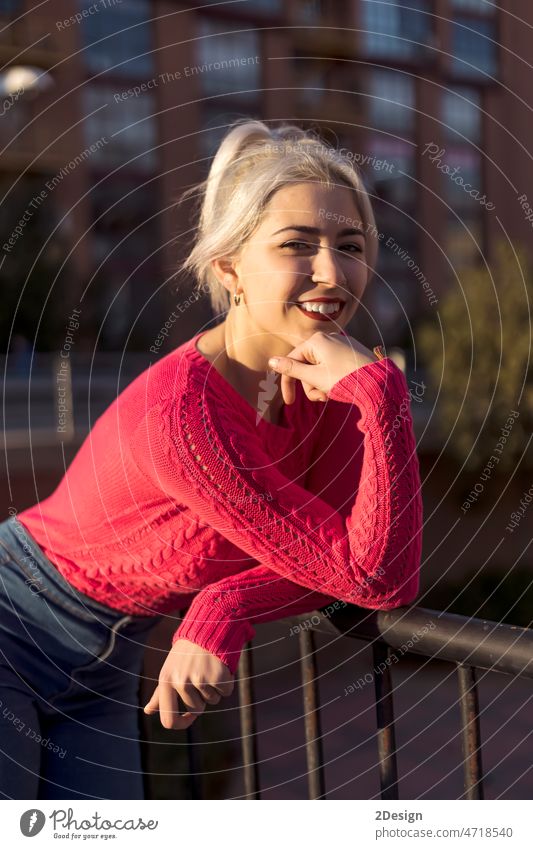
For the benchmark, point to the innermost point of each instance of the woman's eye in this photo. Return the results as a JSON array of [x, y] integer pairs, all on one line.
[[348, 248], [296, 244], [352, 248]]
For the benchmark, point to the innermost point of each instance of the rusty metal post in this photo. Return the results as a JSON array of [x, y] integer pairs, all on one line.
[[313, 734], [248, 725], [471, 735], [386, 738], [194, 774]]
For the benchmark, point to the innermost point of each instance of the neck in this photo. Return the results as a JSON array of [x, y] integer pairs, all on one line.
[[243, 360]]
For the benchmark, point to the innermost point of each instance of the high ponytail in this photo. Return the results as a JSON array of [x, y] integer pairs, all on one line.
[[251, 164], [231, 146]]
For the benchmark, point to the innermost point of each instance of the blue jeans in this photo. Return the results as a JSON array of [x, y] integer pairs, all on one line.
[[70, 674]]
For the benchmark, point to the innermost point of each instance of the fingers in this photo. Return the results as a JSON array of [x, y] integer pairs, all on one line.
[[165, 699], [291, 370], [209, 694], [153, 704], [312, 393], [168, 705], [283, 366], [226, 687], [306, 363], [169, 712], [177, 721], [288, 389], [192, 699]]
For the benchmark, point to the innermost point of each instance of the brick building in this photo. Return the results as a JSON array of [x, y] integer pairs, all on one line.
[[141, 92]]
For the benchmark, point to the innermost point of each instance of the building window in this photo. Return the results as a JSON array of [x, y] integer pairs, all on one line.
[[484, 7], [127, 127], [398, 29], [228, 60], [391, 100], [312, 81], [461, 113], [387, 313], [464, 240], [16, 116], [473, 47], [7, 7], [463, 187], [125, 243], [271, 7], [389, 168], [398, 244], [309, 12], [115, 312], [126, 49]]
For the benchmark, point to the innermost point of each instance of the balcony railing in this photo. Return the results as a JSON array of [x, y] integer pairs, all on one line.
[[94, 379], [469, 643]]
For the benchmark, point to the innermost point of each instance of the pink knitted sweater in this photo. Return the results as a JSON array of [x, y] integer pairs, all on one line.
[[180, 496]]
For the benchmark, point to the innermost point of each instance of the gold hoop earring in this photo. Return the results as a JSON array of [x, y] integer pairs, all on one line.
[[236, 299]]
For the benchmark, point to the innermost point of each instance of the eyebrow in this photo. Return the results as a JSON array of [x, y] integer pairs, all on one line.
[[315, 231]]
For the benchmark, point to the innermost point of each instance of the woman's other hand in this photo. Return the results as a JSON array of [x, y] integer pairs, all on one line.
[[319, 363], [196, 676]]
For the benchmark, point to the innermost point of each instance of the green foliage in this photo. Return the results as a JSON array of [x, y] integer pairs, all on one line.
[[477, 352]]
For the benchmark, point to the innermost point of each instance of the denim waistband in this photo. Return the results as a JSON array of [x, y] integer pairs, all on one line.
[[16, 538]]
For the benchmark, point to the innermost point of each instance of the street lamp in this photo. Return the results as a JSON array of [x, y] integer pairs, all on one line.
[[24, 79]]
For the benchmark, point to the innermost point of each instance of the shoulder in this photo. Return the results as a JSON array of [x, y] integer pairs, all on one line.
[[163, 379], [162, 402]]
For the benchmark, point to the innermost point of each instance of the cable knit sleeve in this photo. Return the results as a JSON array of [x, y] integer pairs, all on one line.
[[221, 616], [367, 554]]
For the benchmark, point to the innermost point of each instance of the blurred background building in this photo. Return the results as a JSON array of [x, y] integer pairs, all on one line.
[[146, 82]]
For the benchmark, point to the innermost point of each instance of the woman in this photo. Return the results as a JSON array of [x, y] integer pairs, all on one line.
[[245, 488]]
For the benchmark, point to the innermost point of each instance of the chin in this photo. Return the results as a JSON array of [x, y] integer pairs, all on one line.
[[310, 327]]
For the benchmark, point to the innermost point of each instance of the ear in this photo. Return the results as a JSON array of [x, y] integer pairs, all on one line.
[[225, 271]]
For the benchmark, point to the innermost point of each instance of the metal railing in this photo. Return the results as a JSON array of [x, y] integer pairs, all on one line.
[[50, 400], [469, 643], [33, 384]]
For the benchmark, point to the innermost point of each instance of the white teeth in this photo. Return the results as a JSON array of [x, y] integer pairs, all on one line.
[[321, 307]]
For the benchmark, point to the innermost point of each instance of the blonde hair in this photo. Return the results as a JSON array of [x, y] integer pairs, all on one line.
[[251, 164]]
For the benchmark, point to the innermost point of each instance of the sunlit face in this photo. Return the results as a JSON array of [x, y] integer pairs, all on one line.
[[300, 252]]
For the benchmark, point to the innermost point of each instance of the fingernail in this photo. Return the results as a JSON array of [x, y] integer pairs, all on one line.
[[273, 362]]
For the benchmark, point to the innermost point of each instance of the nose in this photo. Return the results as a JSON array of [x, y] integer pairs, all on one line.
[[326, 267]]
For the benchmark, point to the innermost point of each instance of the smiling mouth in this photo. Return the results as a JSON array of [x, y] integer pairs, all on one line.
[[321, 310]]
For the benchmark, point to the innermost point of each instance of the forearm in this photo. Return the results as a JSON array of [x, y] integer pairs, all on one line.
[[221, 616]]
